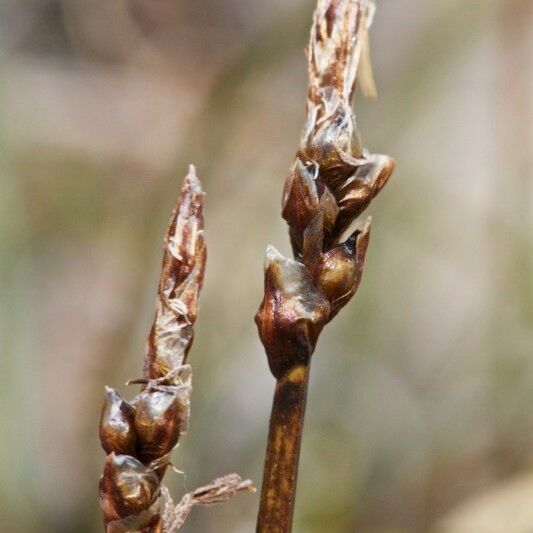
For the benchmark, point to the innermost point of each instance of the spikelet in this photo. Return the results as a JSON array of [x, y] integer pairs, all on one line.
[[331, 182], [139, 436]]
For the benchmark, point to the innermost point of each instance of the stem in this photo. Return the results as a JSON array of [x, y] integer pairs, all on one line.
[[283, 452]]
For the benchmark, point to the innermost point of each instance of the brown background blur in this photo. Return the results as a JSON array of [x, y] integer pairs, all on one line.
[[420, 411]]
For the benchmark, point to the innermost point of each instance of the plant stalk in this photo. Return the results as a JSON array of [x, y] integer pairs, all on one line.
[[332, 181], [283, 452]]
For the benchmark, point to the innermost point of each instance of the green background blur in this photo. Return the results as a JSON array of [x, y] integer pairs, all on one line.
[[420, 411]]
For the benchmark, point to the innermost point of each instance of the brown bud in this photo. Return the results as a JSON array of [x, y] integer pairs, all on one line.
[[159, 420], [342, 269], [116, 424], [360, 189], [300, 201], [127, 487], [292, 314]]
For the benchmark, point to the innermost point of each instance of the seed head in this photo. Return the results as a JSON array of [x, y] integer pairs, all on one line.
[[140, 436], [332, 181]]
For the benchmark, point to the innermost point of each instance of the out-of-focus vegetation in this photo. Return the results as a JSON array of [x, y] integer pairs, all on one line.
[[421, 392]]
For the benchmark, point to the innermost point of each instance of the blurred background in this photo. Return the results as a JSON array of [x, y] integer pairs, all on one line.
[[420, 411]]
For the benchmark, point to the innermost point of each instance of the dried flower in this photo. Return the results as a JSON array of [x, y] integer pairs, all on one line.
[[332, 181], [181, 280], [139, 437]]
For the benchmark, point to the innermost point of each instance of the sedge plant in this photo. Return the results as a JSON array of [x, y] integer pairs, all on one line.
[[332, 181]]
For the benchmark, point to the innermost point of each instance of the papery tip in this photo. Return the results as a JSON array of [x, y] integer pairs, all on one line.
[[192, 170], [110, 391], [272, 254], [192, 181], [364, 228]]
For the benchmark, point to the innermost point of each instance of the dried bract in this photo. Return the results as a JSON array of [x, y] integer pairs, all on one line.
[[220, 490], [182, 277], [341, 269], [301, 203]]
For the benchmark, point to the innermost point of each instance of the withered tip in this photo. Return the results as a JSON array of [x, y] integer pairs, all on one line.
[[192, 181], [364, 226], [272, 254], [288, 268], [192, 170]]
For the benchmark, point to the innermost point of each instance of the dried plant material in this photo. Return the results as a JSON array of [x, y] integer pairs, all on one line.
[[365, 74], [331, 183], [148, 521], [140, 436], [181, 280], [220, 491]]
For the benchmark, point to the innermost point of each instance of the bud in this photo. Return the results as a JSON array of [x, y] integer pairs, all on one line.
[[360, 189], [342, 268], [160, 418], [292, 314], [127, 487], [116, 424], [300, 201]]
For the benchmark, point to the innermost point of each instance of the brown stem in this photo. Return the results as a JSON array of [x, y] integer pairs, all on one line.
[[283, 452]]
